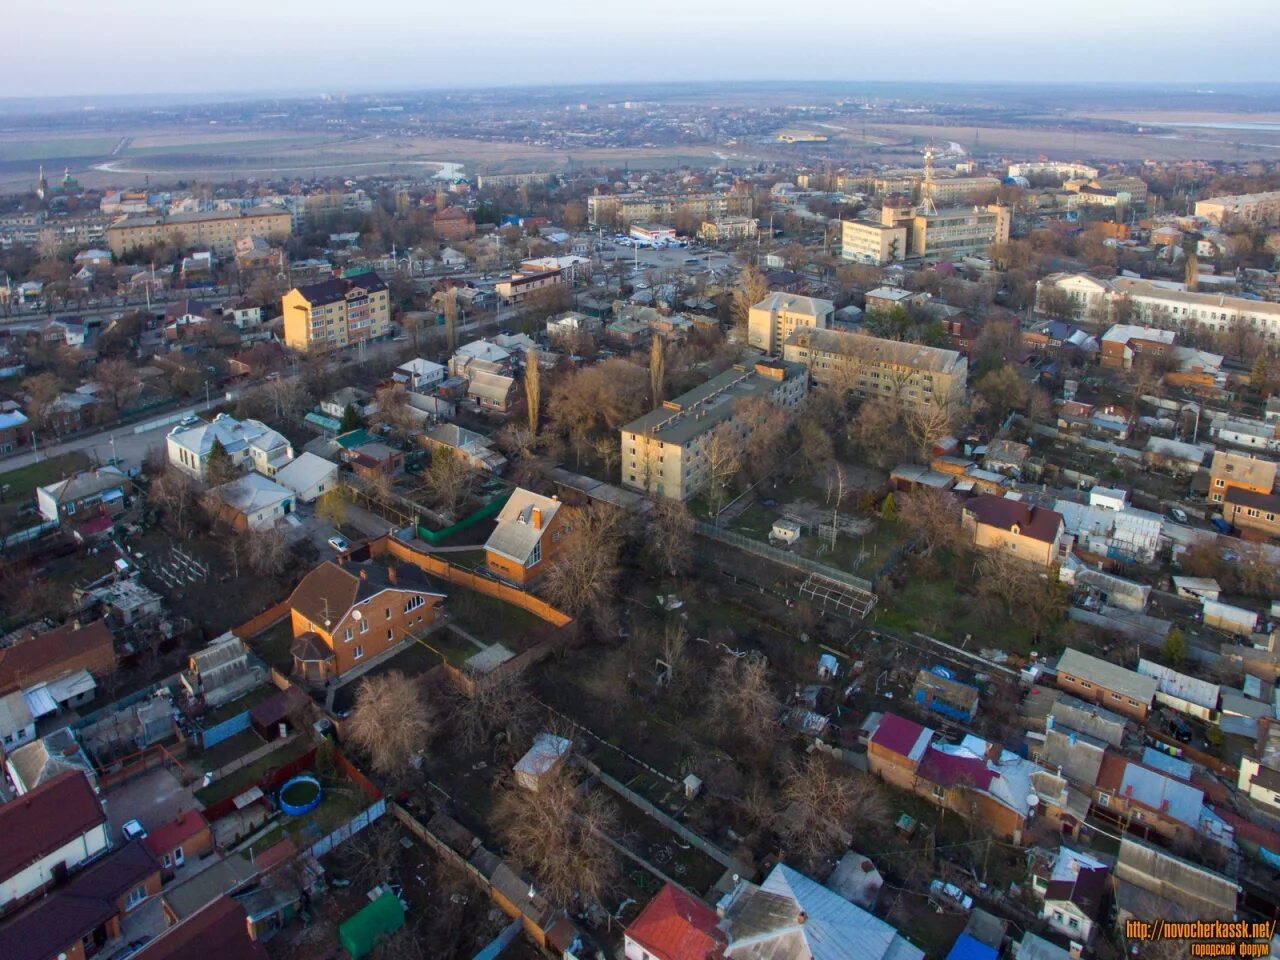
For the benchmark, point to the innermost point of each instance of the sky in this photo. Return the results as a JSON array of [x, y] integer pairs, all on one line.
[[77, 47]]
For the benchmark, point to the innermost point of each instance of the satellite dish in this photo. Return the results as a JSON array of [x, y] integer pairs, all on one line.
[[356, 614]]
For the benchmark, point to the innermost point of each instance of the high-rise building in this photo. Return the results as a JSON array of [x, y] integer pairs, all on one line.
[[336, 313]]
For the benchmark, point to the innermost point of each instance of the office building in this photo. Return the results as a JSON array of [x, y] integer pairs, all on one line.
[[958, 232], [665, 452], [336, 313], [865, 241]]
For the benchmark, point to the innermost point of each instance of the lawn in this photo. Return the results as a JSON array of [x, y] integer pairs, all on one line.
[[490, 620], [18, 487], [861, 555], [340, 801], [936, 607], [414, 660], [246, 777]]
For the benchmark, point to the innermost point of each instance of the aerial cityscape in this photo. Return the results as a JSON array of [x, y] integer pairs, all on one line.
[[564, 484]]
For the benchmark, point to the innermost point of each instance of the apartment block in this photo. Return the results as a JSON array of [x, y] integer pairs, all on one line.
[[1052, 168], [774, 318], [873, 368], [215, 230], [865, 241], [665, 451], [630, 207], [959, 232], [520, 286], [729, 228], [1262, 209], [946, 191], [336, 313]]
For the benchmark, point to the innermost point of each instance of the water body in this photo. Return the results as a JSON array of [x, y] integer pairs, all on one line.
[[1227, 125]]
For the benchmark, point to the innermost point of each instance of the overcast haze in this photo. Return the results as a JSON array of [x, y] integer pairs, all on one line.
[[146, 46]]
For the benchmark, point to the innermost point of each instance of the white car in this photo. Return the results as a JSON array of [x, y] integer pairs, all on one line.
[[949, 895], [133, 830], [339, 543]]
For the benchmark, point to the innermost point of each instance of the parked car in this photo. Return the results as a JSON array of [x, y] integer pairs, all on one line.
[[949, 895], [339, 543], [133, 830], [1178, 514]]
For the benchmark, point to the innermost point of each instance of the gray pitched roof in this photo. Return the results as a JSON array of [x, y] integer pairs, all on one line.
[[1108, 675], [516, 535]]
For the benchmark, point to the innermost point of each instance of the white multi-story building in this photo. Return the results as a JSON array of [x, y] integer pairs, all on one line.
[[774, 318]]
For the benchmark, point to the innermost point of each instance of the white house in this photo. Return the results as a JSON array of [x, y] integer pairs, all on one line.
[[308, 476], [244, 313], [418, 374], [452, 259], [17, 725], [1073, 894], [56, 827], [254, 502], [246, 441]]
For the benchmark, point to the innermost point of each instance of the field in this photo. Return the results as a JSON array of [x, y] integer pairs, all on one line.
[[25, 149], [18, 487]]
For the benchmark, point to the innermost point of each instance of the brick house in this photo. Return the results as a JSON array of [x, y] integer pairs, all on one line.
[[531, 530], [1239, 471], [1256, 512], [453, 224], [1034, 534], [88, 493], [187, 837], [1142, 796], [15, 430], [345, 614], [75, 920], [1107, 684], [38, 658], [218, 929]]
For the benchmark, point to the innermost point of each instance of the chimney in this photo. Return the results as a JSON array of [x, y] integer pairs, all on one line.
[[535, 517], [391, 574], [801, 917], [364, 574]]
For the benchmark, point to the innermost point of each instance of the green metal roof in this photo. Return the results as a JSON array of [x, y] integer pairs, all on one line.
[[360, 934]]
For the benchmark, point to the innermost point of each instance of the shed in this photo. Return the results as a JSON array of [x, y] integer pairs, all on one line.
[[544, 758], [1191, 588], [1225, 617], [788, 531], [360, 934], [968, 948]]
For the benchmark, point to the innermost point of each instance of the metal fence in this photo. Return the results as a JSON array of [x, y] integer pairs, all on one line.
[[368, 815], [783, 557]]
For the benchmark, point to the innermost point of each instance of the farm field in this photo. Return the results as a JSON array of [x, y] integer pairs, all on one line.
[[19, 149]]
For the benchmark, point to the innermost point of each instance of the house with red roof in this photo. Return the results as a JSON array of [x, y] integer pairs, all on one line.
[[219, 929], [896, 748], [187, 837], [1034, 534], [675, 926]]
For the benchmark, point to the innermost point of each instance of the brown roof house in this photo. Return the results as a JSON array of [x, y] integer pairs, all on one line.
[[530, 532], [48, 832], [39, 658], [346, 614], [1073, 887], [219, 929], [1033, 534]]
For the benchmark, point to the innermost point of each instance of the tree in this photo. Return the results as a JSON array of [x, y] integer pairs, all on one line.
[[498, 702], [1260, 374], [289, 397], [822, 804], [1004, 390], [394, 411], [532, 389], [889, 509], [391, 721], [766, 427], [448, 482], [350, 419], [750, 290], [266, 551], [878, 432], [451, 319], [817, 450], [657, 370], [724, 461], [118, 380], [926, 424], [741, 704], [219, 467], [933, 518], [560, 835], [332, 506], [42, 390], [581, 579], [669, 537], [1175, 647], [175, 493]]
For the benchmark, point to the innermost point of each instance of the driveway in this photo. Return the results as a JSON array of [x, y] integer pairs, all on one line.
[[153, 799]]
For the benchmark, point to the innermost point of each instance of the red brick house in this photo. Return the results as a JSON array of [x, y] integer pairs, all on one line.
[[531, 531], [187, 837], [41, 657], [219, 929], [453, 223], [675, 926], [1107, 684]]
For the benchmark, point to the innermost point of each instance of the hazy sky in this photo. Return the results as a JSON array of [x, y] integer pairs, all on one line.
[[145, 46]]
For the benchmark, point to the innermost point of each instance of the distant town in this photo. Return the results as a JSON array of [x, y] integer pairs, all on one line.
[[728, 527]]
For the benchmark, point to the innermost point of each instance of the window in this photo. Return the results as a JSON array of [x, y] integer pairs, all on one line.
[[364, 626], [535, 555], [357, 653], [135, 897], [346, 635], [391, 634], [165, 860], [1104, 799], [414, 603], [179, 858], [1116, 696], [1086, 685], [387, 611], [937, 793], [1073, 923]]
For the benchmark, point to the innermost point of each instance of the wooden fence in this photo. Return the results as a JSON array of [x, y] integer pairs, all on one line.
[[463, 578], [267, 618]]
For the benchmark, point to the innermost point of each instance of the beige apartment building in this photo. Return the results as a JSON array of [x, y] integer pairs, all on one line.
[[665, 452], [1053, 168], [526, 283], [1262, 209], [865, 241], [729, 228], [336, 313], [215, 230], [632, 207], [947, 191], [874, 368], [774, 318]]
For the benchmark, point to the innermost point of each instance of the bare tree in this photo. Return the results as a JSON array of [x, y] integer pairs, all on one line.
[[582, 578], [766, 426], [394, 410], [288, 397], [118, 380], [933, 517], [175, 493], [499, 703], [926, 424], [822, 804], [451, 319], [391, 721], [559, 835], [607, 448], [448, 482], [750, 290], [724, 461], [741, 703], [657, 369], [669, 539], [266, 551], [532, 389]]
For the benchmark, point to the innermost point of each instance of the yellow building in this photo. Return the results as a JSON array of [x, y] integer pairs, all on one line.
[[216, 230], [628, 208], [864, 241], [775, 317], [873, 368], [729, 228], [336, 313], [1259, 208]]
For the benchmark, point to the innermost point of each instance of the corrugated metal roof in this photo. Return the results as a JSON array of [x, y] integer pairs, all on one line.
[[1107, 675], [1159, 792]]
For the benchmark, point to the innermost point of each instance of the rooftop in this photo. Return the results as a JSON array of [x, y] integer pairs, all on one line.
[[867, 348], [1107, 675], [45, 819]]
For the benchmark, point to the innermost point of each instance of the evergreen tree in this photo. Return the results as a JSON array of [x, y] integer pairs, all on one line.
[[219, 467], [350, 419]]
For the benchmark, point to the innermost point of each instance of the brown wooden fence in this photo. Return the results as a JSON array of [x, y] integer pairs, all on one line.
[[267, 618], [448, 572]]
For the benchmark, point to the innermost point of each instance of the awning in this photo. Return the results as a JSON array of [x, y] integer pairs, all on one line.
[[249, 797], [40, 701]]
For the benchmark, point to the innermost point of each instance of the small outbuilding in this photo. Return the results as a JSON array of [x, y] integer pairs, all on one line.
[[545, 757], [364, 931]]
